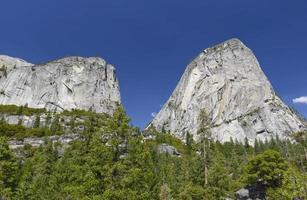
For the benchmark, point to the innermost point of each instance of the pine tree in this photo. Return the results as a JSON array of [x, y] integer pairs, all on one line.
[[8, 170], [205, 134], [219, 180], [37, 122], [266, 169], [20, 110], [56, 127], [294, 185], [37, 180], [301, 137], [189, 142], [118, 131], [256, 146]]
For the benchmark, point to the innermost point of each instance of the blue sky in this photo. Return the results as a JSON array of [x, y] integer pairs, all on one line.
[[151, 42]]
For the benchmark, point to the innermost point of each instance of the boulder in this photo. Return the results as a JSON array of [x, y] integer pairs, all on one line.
[[168, 149]]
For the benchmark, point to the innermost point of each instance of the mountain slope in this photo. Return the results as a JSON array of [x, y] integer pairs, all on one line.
[[227, 82], [64, 84]]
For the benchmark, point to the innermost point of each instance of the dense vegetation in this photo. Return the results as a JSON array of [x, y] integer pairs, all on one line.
[[115, 161], [45, 123], [20, 110]]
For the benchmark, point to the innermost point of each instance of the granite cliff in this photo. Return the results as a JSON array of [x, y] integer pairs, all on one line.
[[64, 84], [227, 82]]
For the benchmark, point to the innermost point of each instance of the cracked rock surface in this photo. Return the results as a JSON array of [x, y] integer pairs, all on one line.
[[64, 84], [227, 82]]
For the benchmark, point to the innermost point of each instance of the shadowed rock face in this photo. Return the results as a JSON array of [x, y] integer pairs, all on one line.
[[68, 83], [227, 82], [254, 192]]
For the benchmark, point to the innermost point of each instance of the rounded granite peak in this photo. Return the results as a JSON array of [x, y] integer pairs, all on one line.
[[233, 43], [227, 83], [234, 40], [12, 61]]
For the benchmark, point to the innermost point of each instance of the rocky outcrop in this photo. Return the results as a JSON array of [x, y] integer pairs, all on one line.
[[37, 142], [46, 121], [227, 83], [168, 149], [64, 84], [59, 143]]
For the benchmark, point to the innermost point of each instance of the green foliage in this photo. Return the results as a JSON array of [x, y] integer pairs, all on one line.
[[165, 193], [205, 125], [11, 130], [171, 140], [20, 132], [20, 110], [8, 170], [192, 192], [78, 112], [56, 128], [37, 132], [294, 184], [37, 122], [114, 161], [48, 119], [219, 179], [266, 169], [37, 180], [189, 142], [301, 137], [54, 122]]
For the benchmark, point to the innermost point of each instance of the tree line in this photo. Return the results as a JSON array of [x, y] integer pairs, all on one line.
[[114, 160]]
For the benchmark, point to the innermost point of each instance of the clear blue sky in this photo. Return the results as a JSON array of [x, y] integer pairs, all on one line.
[[151, 42]]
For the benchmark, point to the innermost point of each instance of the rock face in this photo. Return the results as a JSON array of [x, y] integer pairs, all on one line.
[[68, 83], [168, 149], [227, 82], [11, 63]]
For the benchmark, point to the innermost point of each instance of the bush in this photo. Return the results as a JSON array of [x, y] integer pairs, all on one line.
[[20, 132], [20, 110], [266, 169], [11, 130]]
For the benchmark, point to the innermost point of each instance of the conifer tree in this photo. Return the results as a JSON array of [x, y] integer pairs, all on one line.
[[189, 142], [266, 169], [8, 170], [118, 130], [204, 132], [36, 122]]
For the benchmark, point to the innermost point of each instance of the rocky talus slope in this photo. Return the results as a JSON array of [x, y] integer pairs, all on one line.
[[227, 83], [64, 84]]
